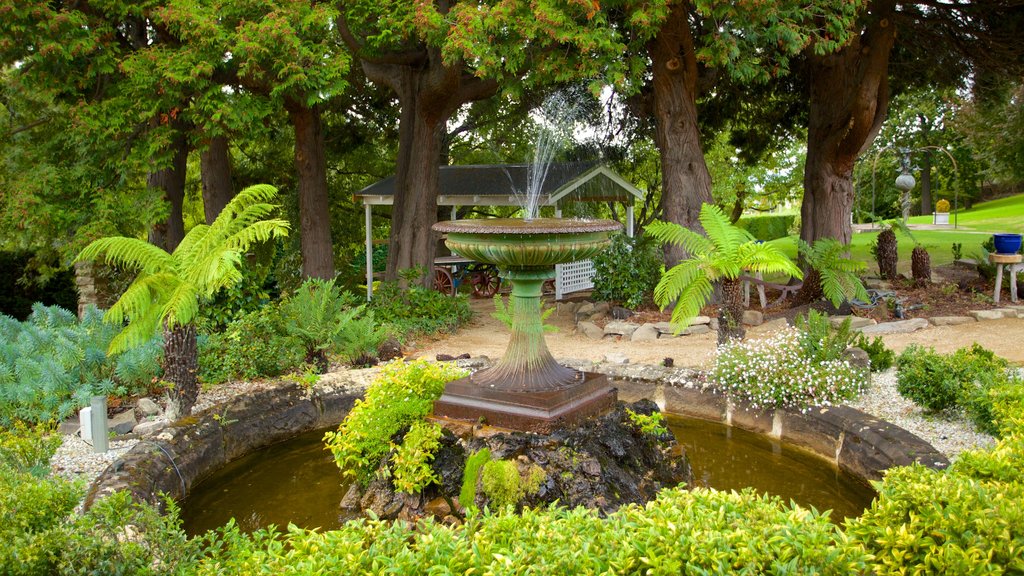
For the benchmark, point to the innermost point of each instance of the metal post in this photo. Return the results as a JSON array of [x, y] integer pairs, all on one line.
[[629, 220], [369, 250], [98, 424]]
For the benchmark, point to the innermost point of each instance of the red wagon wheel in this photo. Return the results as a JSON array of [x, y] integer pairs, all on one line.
[[443, 281], [486, 283]]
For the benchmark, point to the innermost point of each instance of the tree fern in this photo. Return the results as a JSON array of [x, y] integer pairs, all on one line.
[[721, 256], [167, 292], [836, 274]]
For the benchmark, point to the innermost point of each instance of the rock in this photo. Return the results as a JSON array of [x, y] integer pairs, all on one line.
[[590, 330], [389, 349], [753, 317], [620, 328], [149, 427], [602, 307], [566, 309], [585, 310], [350, 502], [713, 324], [145, 408], [438, 508], [620, 313], [696, 329], [857, 357], [668, 329], [997, 314], [951, 320], [1008, 312], [897, 327], [855, 321], [615, 358], [122, 423], [645, 333], [665, 328], [599, 317], [774, 324], [701, 320]]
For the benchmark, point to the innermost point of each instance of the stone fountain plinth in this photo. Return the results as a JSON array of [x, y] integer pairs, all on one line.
[[527, 389]]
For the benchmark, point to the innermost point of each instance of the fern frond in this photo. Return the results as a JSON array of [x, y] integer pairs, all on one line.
[[694, 296], [675, 280], [767, 259], [130, 253], [723, 234], [138, 331], [672, 233], [180, 307]]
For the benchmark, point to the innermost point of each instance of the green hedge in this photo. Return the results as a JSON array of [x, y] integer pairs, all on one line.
[[768, 227]]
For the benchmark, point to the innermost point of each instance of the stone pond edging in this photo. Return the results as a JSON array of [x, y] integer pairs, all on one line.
[[190, 449]]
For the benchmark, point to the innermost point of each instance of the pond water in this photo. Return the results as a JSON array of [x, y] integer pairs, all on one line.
[[297, 481]]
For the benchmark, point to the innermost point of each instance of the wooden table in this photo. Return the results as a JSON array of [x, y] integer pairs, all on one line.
[[1013, 263]]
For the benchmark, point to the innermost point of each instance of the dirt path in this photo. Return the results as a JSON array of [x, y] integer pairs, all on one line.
[[486, 336]]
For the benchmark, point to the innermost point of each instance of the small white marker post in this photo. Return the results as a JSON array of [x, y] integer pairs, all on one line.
[[98, 424]]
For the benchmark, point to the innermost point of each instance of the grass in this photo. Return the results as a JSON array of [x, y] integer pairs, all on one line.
[[974, 227]]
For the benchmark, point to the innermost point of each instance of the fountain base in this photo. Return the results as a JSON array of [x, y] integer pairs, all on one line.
[[537, 411]]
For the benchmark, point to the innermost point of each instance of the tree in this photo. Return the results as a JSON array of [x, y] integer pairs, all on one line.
[[726, 252], [831, 273], [168, 291]]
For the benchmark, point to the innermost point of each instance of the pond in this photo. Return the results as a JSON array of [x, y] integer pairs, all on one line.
[[297, 481]]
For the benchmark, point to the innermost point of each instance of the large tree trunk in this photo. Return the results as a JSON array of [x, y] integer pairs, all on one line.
[[215, 169], [314, 206], [849, 98], [171, 181], [429, 92], [686, 182], [181, 365]]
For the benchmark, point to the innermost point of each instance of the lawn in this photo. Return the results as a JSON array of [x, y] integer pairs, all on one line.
[[974, 227]]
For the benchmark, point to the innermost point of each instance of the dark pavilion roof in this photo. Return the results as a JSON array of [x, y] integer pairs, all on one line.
[[493, 184]]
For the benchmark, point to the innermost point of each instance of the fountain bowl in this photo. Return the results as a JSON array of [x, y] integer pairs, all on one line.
[[527, 244]]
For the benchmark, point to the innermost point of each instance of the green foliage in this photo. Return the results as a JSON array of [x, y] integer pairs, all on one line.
[[24, 280], [838, 273], [819, 341], [470, 476], [942, 523], [881, 357], [29, 449], [653, 423], [777, 371], [939, 382], [256, 345], [627, 271], [410, 461], [321, 316], [502, 483], [725, 253], [418, 310], [402, 394], [504, 314], [169, 287], [767, 227], [958, 251], [51, 364]]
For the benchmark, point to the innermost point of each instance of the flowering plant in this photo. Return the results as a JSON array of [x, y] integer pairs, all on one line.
[[775, 372]]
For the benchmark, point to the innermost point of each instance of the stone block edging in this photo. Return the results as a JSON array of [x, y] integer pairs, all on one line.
[[855, 441], [192, 448]]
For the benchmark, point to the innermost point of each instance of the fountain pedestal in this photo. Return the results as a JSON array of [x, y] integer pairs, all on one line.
[[527, 389]]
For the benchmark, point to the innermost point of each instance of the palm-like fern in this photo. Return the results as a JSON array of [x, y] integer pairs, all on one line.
[[721, 256], [832, 273], [168, 290]]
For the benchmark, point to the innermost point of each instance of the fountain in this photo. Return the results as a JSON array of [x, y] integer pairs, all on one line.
[[527, 389]]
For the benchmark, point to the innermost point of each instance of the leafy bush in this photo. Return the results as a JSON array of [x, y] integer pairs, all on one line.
[[938, 382], [881, 357], [819, 341], [319, 315], [627, 271], [402, 394], [418, 310], [254, 346], [777, 372], [767, 227], [410, 461], [653, 423], [28, 449], [51, 364]]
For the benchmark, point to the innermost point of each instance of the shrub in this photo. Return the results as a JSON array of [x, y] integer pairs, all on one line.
[[402, 394], [767, 227], [776, 372], [410, 461], [418, 310], [51, 364], [881, 357], [28, 449], [319, 315], [819, 341], [255, 345], [938, 382], [627, 271]]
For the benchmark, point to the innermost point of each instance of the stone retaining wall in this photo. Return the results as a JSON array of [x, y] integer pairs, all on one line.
[[192, 448]]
